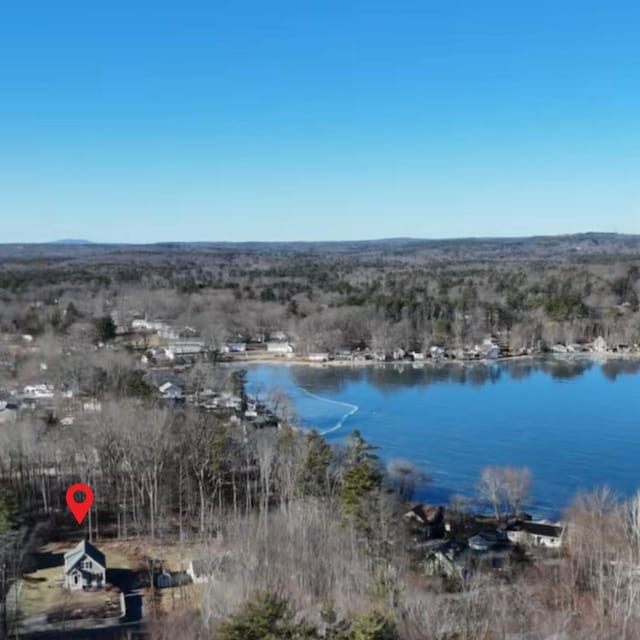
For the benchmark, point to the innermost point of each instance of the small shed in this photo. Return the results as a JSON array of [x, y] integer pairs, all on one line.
[[163, 580]]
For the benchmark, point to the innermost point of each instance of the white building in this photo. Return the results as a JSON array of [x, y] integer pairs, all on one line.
[[536, 534], [437, 352], [279, 347], [318, 357], [187, 347], [600, 344], [38, 391]]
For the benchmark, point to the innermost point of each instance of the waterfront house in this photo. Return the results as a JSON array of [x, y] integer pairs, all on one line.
[[84, 567], [187, 347], [280, 348], [600, 345], [430, 518], [318, 357], [492, 353], [235, 347], [437, 352], [536, 534]]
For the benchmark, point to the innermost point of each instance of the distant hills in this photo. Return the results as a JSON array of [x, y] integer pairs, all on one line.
[[602, 246], [72, 241]]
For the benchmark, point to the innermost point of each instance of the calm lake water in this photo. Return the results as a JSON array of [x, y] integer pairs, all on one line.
[[574, 423]]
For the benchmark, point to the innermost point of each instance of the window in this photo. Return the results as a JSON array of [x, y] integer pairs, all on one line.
[[86, 564]]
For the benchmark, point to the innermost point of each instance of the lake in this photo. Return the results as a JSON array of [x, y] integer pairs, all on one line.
[[575, 423]]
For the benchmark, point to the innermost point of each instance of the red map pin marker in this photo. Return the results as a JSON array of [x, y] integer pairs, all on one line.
[[79, 509]]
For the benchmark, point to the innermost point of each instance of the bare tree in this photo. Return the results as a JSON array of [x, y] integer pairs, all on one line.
[[405, 477], [504, 488]]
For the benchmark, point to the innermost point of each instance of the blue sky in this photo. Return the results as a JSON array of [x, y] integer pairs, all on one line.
[[146, 121]]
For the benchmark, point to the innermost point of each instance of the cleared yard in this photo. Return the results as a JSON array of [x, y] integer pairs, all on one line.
[[41, 593]]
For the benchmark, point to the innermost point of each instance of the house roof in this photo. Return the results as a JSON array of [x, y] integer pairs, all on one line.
[[538, 529], [427, 513], [72, 557]]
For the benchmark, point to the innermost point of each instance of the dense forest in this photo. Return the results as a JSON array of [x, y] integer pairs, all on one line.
[[527, 293], [304, 540]]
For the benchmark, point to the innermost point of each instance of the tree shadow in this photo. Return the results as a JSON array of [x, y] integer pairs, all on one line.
[[49, 560], [124, 579]]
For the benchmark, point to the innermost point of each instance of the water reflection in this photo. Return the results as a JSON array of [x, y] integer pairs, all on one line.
[[613, 369], [387, 378]]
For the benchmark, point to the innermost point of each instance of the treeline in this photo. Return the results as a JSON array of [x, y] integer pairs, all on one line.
[[326, 301], [159, 472]]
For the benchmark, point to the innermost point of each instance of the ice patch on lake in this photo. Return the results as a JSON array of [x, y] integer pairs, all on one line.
[[352, 409]]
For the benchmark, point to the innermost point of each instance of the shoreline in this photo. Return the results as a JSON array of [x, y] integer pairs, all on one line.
[[298, 361]]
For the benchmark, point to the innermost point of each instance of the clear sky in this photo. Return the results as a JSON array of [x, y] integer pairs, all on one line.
[[141, 121]]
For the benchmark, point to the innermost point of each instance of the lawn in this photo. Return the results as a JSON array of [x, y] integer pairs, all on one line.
[[41, 593]]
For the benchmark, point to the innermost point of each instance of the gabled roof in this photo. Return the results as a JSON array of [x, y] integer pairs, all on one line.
[[72, 557], [538, 529], [426, 513]]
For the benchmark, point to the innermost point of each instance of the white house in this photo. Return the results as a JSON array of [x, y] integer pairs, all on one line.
[[318, 357], [84, 567], [39, 391], [279, 347], [600, 344], [188, 347], [142, 324], [437, 352], [536, 534]]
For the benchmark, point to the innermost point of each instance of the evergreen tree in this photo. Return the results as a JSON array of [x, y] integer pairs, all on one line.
[[361, 480], [105, 328], [316, 472], [266, 617]]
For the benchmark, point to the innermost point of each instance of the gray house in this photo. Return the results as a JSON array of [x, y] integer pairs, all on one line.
[[84, 567]]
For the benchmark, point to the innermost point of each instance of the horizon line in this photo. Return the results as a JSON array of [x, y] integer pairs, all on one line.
[[87, 242]]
